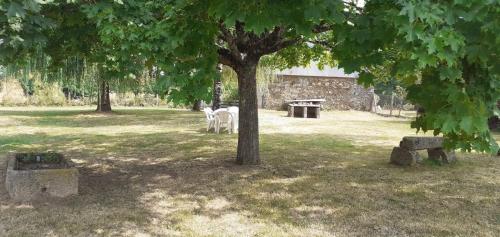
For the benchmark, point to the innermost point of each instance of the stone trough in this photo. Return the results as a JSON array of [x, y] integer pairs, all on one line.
[[31, 176]]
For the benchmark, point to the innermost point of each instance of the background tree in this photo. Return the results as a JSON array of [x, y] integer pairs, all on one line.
[[64, 31], [387, 86]]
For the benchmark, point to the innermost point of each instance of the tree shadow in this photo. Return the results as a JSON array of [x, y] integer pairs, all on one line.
[[188, 180], [399, 121], [116, 175]]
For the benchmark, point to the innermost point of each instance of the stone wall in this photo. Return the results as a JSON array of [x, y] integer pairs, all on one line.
[[339, 93]]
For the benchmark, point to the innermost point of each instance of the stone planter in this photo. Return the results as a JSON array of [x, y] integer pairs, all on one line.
[[31, 176]]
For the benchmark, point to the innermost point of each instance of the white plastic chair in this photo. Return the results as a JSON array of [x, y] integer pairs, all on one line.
[[223, 119], [235, 111], [209, 114]]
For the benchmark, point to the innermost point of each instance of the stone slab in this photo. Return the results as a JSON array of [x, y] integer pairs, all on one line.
[[421, 143], [29, 185], [404, 157], [439, 154]]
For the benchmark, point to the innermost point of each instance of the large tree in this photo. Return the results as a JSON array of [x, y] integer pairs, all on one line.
[[447, 53], [192, 37], [62, 31]]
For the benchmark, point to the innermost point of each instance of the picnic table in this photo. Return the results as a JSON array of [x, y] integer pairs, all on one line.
[[232, 103], [304, 108]]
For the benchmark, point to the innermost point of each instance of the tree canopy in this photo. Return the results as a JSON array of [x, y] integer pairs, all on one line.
[[445, 53], [447, 59]]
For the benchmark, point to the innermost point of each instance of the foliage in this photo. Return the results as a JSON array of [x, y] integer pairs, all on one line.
[[386, 85], [447, 61], [265, 75], [455, 46], [60, 41], [229, 81], [131, 99], [447, 56], [22, 25], [48, 94]]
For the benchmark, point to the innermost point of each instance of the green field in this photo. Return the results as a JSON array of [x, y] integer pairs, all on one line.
[[156, 172]]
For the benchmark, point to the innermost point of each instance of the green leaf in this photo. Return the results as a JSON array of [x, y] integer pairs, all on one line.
[[408, 10], [467, 125], [16, 10], [32, 5]]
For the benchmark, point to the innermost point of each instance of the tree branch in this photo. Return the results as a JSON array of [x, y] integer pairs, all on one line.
[[231, 41], [274, 36], [242, 37], [322, 27], [280, 44], [226, 58], [273, 41]]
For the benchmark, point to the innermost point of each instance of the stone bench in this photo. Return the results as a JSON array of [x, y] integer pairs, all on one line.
[[406, 154]]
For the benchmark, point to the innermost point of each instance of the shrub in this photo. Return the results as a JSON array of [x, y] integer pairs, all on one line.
[[131, 99], [48, 94], [12, 94]]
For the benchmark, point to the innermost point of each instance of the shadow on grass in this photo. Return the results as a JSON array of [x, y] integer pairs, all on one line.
[[130, 180], [408, 121], [182, 182]]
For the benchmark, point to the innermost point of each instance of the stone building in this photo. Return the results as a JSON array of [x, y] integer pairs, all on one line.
[[340, 90]]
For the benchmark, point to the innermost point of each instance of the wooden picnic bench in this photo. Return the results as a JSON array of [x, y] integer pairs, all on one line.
[[305, 108]]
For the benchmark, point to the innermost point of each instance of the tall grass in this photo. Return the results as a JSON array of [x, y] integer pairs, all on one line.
[[12, 94], [51, 94]]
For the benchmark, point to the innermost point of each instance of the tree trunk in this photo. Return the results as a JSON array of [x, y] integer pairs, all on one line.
[[103, 100], [392, 103], [197, 105], [248, 132], [217, 92]]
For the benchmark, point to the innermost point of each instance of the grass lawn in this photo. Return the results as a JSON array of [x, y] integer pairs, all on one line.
[[155, 172]]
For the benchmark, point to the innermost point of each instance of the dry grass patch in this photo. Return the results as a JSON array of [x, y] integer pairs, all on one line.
[[155, 172]]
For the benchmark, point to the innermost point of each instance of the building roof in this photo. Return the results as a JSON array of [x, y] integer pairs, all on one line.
[[313, 70]]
